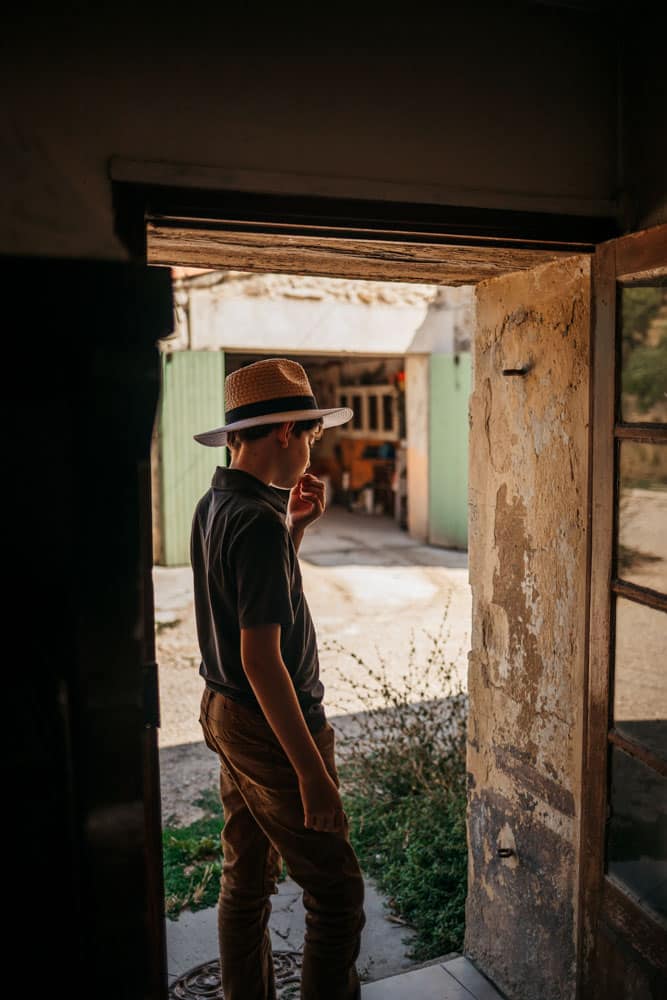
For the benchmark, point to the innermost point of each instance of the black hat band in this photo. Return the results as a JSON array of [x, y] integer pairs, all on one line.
[[267, 406]]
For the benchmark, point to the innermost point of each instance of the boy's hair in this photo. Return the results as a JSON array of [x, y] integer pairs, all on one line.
[[235, 438]]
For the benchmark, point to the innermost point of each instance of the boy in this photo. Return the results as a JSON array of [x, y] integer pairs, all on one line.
[[261, 709]]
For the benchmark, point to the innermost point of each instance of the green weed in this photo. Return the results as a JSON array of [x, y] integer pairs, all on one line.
[[403, 784], [192, 860]]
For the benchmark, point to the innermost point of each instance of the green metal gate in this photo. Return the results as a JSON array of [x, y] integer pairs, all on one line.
[[450, 380], [192, 400]]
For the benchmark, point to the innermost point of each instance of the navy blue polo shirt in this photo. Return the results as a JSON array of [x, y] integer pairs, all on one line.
[[246, 572]]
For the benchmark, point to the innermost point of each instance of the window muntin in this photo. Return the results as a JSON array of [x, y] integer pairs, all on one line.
[[377, 411]]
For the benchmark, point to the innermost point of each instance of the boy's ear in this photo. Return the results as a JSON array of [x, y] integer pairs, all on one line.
[[283, 433]]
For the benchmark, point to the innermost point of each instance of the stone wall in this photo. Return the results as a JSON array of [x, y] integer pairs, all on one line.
[[528, 495]]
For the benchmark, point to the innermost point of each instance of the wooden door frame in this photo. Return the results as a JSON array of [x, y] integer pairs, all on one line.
[[641, 254], [333, 237]]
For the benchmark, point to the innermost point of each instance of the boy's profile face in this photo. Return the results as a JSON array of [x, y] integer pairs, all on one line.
[[294, 458]]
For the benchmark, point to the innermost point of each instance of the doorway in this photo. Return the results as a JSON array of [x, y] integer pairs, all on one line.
[[307, 252], [367, 578]]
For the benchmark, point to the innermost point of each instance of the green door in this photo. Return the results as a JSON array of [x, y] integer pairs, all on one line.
[[192, 400], [448, 450]]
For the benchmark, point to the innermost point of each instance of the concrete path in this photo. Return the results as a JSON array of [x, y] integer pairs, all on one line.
[[374, 592], [192, 939]]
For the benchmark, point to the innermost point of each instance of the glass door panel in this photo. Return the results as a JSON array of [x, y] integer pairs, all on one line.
[[643, 352], [637, 843], [641, 553], [640, 675]]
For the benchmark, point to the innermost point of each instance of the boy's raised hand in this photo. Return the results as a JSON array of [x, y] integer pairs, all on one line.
[[306, 501]]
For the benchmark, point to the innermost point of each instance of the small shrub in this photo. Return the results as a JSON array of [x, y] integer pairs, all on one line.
[[403, 783]]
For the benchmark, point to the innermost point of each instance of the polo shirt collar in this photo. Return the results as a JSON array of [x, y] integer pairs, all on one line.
[[238, 481]]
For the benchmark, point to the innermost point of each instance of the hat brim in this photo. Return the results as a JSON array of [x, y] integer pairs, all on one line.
[[330, 418]]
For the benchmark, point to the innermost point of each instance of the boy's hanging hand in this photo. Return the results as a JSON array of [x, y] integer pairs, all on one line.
[[322, 806], [306, 502], [274, 689]]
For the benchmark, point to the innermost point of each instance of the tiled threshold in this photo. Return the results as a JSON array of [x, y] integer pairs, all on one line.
[[451, 979]]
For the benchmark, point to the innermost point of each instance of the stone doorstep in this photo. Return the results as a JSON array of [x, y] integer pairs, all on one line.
[[452, 977], [449, 977]]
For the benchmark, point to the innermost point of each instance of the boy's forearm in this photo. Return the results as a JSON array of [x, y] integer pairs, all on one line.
[[296, 534], [275, 693]]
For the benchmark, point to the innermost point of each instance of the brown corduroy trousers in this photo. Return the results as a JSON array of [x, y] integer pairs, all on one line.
[[263, 822]]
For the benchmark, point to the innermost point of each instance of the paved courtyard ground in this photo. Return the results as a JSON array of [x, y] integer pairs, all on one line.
[[371, 589]]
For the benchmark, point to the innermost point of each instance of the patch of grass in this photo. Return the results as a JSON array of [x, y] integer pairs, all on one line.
[[192, 859]]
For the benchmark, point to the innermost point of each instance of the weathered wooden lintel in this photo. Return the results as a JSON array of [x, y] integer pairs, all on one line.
[[336, 257]]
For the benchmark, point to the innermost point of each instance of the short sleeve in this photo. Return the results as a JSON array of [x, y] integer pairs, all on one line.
[[261, 565]]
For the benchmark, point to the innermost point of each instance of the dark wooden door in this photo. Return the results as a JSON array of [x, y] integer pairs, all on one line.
[[624, 869], [84, 873]]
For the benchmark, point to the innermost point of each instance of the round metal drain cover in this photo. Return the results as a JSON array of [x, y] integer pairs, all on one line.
[[203, 982]]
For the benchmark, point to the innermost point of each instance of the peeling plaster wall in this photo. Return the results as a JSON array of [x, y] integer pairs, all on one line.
[[527, 552], [447, 325], [301, 325]]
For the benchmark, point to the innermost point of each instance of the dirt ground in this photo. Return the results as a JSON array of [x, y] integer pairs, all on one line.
[[373, 593]]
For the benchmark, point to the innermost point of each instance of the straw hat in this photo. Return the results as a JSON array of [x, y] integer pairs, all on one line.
[[267, 392]]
